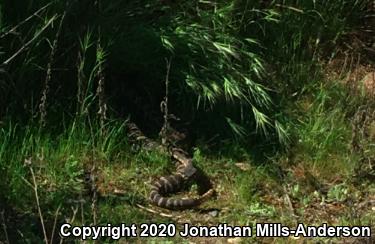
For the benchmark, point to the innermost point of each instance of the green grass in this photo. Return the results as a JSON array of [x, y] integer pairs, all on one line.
[[272, 132], [247, 192], [317, 169], [324, 131]]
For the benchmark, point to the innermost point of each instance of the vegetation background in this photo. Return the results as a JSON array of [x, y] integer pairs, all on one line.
[[276, 96]]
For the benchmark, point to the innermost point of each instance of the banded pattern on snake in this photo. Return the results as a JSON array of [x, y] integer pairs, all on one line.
[[184, 174]]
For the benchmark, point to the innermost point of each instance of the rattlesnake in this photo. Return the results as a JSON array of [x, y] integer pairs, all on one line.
[[185, 173]]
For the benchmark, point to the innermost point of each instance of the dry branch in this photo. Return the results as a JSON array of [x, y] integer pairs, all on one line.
[[27, 44]]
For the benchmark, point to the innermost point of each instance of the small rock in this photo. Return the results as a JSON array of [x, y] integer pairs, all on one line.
[[214, 213]]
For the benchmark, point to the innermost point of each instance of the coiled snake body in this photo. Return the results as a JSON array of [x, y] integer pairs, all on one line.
[[185, 173]]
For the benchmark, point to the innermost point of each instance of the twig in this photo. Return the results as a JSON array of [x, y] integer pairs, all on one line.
[[35, 188], [29, 42], [70, 221], [164, 106], [54, 223], [82, 212], [100, 92], [289, 202], [92, 177], [27, 182], [175, 218], [94, 198], [25, 20], [74, 215], [4, 227], [43, 99], [153, 211]]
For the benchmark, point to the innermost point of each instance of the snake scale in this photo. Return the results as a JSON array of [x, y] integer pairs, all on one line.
[[184, 175]]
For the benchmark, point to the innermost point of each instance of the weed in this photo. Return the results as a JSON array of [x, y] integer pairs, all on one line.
[[246, 75]]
